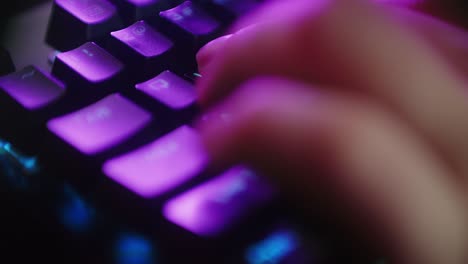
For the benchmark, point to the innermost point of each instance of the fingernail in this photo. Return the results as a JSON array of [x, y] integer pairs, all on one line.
[[206, 53]]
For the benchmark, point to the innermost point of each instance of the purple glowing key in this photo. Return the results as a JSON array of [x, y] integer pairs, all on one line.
[[143, 39], [31, 87], [88, 11], [73, 22], [88, 63], [169, 89], [188, 21], [134, 10], [101, 125], [142, 48], [156, 168], [210, 208]]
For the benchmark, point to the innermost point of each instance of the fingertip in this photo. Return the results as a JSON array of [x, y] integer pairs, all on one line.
[[205, 55], [202, 94]]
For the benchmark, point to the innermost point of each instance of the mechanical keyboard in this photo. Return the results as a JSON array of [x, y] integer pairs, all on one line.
[[100, 162]]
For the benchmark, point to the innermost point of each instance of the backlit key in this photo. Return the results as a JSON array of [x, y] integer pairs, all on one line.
[[31, 87], [145, 50], [214, 206], [156, 168], [89, 67], [282, 246], [101, 125], [190, 23], [170, 89], [134, 10], [89, 61], [73, 22]]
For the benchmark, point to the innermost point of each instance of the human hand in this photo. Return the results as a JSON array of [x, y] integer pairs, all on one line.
[[371, 96]]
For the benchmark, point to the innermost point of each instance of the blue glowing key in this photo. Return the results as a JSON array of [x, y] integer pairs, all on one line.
[[156, 168], [19, 170], [274, 249], [74, 212], [131, 248], [216, 205]]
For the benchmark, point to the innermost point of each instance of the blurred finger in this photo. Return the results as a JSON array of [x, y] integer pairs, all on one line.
[[449, 40], [274, 10], [378, 171], [357, 45]]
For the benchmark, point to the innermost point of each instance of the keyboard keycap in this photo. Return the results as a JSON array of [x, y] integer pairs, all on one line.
[[281, 246], [73, 22], [170, 89], [154, 169], [216, 205], [31, 87], [190, 24], [101, 125], [143, 49], [134, 10], [28, 97], [89, 68]]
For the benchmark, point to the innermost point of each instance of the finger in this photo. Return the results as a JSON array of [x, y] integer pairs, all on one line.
[[449, 40], [274, 10], [362, 47], [376, 170]]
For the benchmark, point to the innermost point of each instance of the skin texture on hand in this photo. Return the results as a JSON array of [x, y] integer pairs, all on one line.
[[372, 95]]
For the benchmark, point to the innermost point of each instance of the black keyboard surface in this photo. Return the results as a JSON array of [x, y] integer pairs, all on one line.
[[99, 159]]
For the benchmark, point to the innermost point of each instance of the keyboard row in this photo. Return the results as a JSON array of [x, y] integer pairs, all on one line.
[[102, 239], [74, 22], [132, 130], [147, 181], [165, 178]]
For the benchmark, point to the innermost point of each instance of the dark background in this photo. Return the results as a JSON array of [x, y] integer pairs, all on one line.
[[8, 8]]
